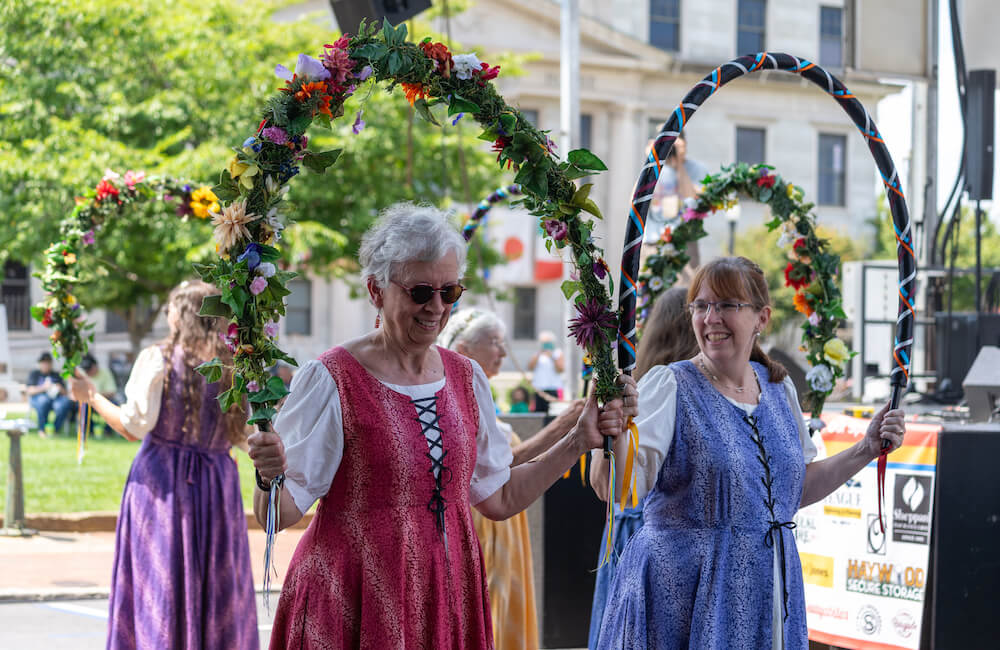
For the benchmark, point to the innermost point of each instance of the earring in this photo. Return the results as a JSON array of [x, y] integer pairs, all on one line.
[[378, 319]]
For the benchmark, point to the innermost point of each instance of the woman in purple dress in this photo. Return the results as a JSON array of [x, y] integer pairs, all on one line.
[[181, 576]]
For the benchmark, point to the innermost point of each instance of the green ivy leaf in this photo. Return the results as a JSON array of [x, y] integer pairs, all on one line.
[[424, 111], [459, 104], [262, 415], [205, 272], [318, 162], [570, 287], [211, 370], [227, 189], [586, 160], [213, 306]]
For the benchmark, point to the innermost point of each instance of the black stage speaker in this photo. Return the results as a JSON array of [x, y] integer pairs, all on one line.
[[955, 342], [979, 121], [961, 606], [574, 522], [350, 12]]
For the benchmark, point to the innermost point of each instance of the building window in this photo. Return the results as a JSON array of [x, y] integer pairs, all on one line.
[[586, 130], [750, 145], [665, 24], [832, 155], [298, 307], [750, 26], [531, 115], [831, 36], [524, 312], [15, 296], [114, 323]]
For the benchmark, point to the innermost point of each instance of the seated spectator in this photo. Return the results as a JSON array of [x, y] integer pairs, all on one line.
[[103, 381], [47, 392]]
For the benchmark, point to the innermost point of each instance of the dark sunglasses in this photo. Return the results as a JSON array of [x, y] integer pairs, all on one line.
[[422, 293]]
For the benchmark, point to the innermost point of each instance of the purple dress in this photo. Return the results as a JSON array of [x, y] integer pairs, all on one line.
[[181, 576]]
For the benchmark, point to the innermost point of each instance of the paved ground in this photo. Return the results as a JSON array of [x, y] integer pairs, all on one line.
[[54, 587]]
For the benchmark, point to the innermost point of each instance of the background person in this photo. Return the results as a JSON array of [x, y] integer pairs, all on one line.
[[666, 337], [506, 545], [397, 438], [181, 576], [46, 392], [546, 366], [724, 463]]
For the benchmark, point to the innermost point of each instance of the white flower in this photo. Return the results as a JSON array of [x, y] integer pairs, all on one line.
[[785, 239], [668, 250], [690, 203], [110, 175], [271, 184], [266, 269], [306, 67], [465, 64], [655, 283], [820, 378]]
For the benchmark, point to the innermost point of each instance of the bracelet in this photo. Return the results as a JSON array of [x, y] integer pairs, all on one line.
[[261, 483]]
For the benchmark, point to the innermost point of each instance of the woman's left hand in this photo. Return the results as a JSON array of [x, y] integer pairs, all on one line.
[[81, 388], [886, 425], [595, 423]]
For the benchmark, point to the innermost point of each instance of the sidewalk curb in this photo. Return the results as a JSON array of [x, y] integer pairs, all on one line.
[[54, 594], [104, 522]]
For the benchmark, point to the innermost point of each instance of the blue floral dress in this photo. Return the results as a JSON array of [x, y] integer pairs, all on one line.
[[700, 573]]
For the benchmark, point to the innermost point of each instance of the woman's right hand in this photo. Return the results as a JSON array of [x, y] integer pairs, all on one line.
[[81, 388], [565, 420], [268, 454]]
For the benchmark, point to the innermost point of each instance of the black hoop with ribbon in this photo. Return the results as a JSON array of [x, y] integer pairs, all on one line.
[[656, 156]]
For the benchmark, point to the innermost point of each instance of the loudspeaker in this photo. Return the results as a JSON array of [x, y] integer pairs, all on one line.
[[350, 12], [955, 342], [982, 384], [960, 606], [979, 145]]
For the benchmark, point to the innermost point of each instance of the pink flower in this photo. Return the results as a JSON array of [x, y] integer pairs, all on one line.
[[275, 134], [258, 285], [132, 178], [358, 123], [593, 324], [253, 387], [337, 61], [814, 319], [690, 214], [271, 328], [557, 229], [88, 238]]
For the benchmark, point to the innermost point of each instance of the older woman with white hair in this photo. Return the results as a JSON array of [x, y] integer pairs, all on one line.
[[397, 438], [480, 335]]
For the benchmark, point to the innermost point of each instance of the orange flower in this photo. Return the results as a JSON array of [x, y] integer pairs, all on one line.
[[324, 106], [414, 92], [802, 304], [307, 89]]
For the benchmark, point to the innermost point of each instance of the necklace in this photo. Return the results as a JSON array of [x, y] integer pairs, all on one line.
[[714, 377]]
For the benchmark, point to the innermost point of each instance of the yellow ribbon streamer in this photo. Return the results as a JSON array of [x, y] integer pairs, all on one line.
[[583, 470], [629, 484]]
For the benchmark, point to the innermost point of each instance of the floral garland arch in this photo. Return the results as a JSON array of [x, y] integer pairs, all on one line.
[[812, 270], [99, 206], [253, 185]]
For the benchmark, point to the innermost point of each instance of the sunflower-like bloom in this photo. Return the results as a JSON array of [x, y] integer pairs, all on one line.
[[203, 202], [230, 225]]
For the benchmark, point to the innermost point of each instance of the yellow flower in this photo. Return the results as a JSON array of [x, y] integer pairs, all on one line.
[[835, 350], [69, 258], [203, 201], [235, 167], [70, 299], [230, 225], [246, 178], [790, 191]]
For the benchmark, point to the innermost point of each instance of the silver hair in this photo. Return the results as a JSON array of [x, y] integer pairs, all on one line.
[[469, 326], [408, 232]]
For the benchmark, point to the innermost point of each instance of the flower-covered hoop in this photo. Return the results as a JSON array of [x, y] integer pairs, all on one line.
[[99, 206], [657, 155], [253, 185], [812, 269]]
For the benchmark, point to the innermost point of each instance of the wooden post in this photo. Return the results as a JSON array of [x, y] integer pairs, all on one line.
[[13, 517]]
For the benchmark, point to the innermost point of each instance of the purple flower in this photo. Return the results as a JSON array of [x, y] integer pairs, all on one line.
[[557, 229], [88, 238], [600, 268], [252, 256], [592, 324], [253, 387], [258, 285], [271, 328], [252, 143], [364, 73], [359, 123], [275, 134], [306, 67], [457, 118]]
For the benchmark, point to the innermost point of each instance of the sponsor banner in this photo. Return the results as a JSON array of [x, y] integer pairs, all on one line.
[[865, 588]]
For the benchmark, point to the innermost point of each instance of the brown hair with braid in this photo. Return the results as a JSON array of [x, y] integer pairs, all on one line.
[[740, 279], [667, 335], [199, 339]]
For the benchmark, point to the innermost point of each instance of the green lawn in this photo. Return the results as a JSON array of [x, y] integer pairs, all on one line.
[[54, 482]]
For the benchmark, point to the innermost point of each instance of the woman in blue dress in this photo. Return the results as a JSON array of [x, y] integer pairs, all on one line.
[[724, 463]]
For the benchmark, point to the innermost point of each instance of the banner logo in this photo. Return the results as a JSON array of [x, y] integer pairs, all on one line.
[[869, 621], [876, 538], [904, 624], [911, 514]]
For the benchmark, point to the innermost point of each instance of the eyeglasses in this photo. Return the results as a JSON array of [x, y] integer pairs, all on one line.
[[422, 293], [722, 307]]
